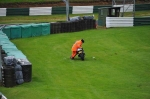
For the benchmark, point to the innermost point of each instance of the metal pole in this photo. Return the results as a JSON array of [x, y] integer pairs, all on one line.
[[67, 9], [123, 8], [134, 8]]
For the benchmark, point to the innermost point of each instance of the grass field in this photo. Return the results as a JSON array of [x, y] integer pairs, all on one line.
[[120, 70], [54, 18]]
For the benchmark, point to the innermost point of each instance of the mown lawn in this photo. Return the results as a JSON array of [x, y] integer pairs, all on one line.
[[120, 70], [58, 17]]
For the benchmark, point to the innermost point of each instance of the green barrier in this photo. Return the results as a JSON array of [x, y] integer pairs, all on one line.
[[15, 32], [142, 7], [141, 21], [3, 36], [61, 10], [45, 28], [17, 54], [17, 11], [5, 42], [26, 31], [8, 48], [36, 29], [6, 30]]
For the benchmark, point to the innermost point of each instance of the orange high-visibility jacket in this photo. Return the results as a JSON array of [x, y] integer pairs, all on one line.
[[76, 45]]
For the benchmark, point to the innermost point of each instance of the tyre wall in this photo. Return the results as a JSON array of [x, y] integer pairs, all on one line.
[[10, 59]]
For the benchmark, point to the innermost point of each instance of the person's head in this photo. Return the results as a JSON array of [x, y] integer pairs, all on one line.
[[82, 40]]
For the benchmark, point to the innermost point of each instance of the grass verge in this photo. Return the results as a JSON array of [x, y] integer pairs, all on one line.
[[120, 70]]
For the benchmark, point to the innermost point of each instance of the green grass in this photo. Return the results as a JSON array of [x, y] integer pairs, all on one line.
[[54, 18], [120, 70], [35, 19]]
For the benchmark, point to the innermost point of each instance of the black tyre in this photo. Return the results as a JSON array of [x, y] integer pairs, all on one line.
[[10, 76], [9, 82], [27, 72], [82, 56], [9, 70]]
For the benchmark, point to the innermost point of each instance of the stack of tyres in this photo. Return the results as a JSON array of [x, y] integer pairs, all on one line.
[[9, 76], [88, 23], [58, 27], [72, 27], [85, 24], [76, 26], [68, 27], [94, 24], [51, 30], [63, 27], [26, 70], [54, 28], [81, 25]]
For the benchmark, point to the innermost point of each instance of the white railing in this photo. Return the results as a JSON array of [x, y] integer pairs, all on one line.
[[82, 9], [2, 11], [40, 11], [119, 22]]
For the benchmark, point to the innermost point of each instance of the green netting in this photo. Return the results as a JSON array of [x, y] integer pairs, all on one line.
[[8, 48], [36, 29], [17, 54], [15, 31], [45, 28], [5, 42], [1, 32], [6, 30], [26, 31], [3, 36]]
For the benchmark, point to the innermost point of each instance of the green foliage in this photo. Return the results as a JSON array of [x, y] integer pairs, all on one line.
[[120, 70]]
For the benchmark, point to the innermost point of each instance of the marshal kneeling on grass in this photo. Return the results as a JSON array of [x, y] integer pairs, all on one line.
[[77, 49]]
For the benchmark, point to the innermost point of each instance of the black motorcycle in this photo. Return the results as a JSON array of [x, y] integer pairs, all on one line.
[[81, 53]]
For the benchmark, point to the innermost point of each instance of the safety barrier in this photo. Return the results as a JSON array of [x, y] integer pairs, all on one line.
[[62, 10], [141, 21], [26, 30], [119, 22], [39, 29], [14, 66], [68, 27]]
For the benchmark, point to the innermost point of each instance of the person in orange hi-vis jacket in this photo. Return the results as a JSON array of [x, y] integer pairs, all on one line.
[[76, 45]]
